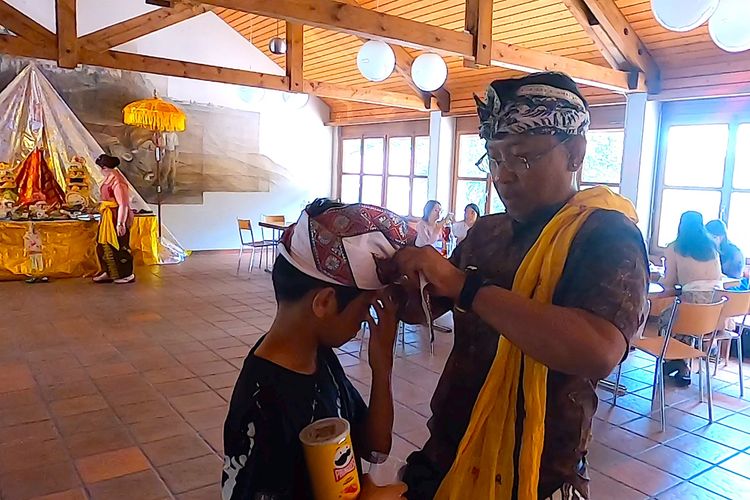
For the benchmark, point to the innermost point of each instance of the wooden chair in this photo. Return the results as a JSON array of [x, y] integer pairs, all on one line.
[[737, 309], [695, 320], [245, 227]]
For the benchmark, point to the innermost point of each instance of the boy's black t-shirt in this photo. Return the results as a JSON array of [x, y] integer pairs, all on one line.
[[263, 456]]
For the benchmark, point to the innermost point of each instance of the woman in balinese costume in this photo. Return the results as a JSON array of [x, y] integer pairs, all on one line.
[[113, 240]]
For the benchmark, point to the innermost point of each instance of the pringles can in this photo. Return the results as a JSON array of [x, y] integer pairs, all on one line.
[[330, 459]]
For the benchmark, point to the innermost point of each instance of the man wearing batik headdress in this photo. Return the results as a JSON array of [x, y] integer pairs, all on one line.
[[326, 279], [546, 300]]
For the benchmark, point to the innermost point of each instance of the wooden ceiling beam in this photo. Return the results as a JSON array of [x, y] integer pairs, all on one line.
[[294, 56], [478, 22], [169, 67], [23, 26], [517, 58], [615, 38], [366, 95], [67, 33], [126, 31], [358, 21], [21, 47]]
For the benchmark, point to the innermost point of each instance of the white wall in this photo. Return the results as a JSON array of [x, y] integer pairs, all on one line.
[[295, 138]]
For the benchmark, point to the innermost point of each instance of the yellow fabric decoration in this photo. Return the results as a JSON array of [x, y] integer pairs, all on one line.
[[483, 467], [144, 240], [107, 231], [154, 114]]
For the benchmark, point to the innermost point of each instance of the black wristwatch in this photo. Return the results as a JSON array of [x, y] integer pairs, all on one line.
[[474, 282]]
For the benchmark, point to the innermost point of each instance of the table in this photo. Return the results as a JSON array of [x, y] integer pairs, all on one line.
[[277, 229], [69, 247]]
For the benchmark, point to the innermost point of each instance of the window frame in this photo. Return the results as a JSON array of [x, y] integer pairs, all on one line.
[[386, 132], [466, 126], [692, 114], [583, 184]]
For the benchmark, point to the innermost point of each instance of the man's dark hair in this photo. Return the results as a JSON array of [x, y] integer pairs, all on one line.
[[290, 284]]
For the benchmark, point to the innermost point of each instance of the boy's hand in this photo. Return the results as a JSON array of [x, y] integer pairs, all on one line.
[[372, 492], [383, 332]]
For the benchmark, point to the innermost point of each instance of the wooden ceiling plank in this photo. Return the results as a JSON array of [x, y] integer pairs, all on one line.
[[333, 91], [23, 26], [21, 47], [136, 27], [294, 56], [67, 33]]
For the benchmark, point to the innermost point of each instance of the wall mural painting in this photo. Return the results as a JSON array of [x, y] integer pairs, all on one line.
[[218, 152]]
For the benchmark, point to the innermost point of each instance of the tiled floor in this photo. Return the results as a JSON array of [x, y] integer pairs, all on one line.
[[110, 392]]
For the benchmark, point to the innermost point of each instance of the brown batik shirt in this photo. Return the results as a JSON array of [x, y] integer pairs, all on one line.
[[606, 273]]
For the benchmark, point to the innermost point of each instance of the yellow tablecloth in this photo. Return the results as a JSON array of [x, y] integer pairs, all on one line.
[[69, 247]]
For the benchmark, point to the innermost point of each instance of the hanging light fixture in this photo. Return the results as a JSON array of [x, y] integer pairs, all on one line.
[[729, 27], [429, 72], [683, 15], [376, 60], [277, 45], [295, 100]]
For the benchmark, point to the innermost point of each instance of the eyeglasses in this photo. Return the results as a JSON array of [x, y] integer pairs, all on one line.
[[516, 163]]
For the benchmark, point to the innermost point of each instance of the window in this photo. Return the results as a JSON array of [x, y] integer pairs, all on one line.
[[388, 170], [602, 164], [706, 168], [472, 185]]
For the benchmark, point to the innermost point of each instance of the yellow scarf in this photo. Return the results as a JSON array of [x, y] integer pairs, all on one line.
[[484, 467], [107, 231]]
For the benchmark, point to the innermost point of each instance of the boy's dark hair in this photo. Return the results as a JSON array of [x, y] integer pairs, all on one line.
[[290, 284]]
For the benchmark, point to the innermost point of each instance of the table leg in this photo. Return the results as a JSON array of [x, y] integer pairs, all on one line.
[[275, 236]]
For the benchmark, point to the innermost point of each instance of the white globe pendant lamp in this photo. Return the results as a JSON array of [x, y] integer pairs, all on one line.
[[376, 60], [729, 27], [295, 100], [683, 15], [429, 72]]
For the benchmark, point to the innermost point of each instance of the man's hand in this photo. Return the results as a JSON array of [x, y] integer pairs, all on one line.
[[445, 279], [372, 492], [383, 332], [120, 230]]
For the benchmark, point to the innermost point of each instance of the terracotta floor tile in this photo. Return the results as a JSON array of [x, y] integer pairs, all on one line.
[[146, 410], [689, 491], [226, 393], [40, 431], [222, 380], [674, 461], [208, 418], [641, 476], [30, 454], [725, 435], [215, 438], [214, 367], [615, 414], [176, 449], [159, 428], [223, 343], [111, 464], [75, 494], [182, 387], [651, 429], [605, 487], [196, 401], [738, 421], [739, 464], [191, 474], [109, 370], [15, 377], [88, 422], [701, 410], [623, 440], [84, 444], [724, 483], [193, 358], [602, 457], [233, 352], [167, 374], [702, 448], [34, 482], [76, 406], [23, 397], [67, 390], [16, 415], [212, 492], [144, 485]]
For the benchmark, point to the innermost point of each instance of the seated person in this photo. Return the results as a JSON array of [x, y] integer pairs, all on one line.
[[461, 229], [429, 228], [324, 289], [732, 260]]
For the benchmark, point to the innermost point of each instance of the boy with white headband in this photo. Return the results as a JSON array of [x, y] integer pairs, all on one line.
[[326, 279]]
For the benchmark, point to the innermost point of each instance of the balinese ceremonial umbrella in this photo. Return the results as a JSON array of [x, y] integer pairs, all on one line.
[[159, 116]]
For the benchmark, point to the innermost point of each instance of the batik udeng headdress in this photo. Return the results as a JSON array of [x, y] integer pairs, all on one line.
[[343, 244], [538, 104]]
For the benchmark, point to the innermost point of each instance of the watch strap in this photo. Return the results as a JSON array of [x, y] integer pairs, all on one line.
[[474, 282]]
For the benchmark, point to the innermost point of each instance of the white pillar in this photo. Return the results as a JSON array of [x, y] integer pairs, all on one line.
[[639, 155], [442, 132]]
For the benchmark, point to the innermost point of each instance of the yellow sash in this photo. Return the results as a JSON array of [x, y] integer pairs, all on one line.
[[484, 467], [107, 231]]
